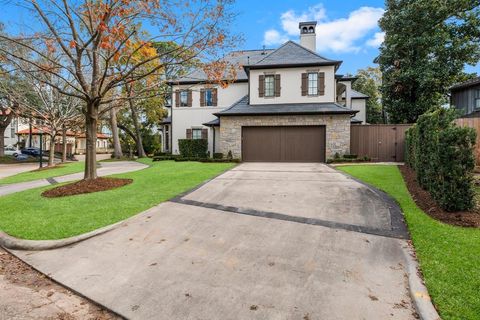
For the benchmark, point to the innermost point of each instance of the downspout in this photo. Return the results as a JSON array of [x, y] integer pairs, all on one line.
[[213, 149]]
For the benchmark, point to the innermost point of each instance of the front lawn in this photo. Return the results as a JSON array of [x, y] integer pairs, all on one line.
[[59, 170], [449, 256], [28, 215]]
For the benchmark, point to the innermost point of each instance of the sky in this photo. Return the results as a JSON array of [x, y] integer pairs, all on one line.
[[346, 30]]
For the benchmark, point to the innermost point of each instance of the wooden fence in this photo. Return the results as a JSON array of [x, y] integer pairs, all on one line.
[[475, 124], [380, 142]]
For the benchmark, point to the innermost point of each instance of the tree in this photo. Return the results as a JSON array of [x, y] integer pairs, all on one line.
[[369, 82], [88, 38], [427, 45]]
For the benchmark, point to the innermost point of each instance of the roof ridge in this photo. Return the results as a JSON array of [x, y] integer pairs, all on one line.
[[311, 51], [283, 45]]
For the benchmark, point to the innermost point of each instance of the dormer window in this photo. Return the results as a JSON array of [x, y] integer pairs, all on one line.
[[313, 84], [269, 85]]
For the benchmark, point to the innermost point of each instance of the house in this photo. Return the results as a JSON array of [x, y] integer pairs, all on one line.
[[466, 97], [286, 104]]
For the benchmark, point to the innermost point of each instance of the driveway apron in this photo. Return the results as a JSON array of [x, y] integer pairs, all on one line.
[[261, 241]]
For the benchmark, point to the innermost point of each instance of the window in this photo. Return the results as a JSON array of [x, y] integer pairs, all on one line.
[[196, 133], [477, 103], [269, 86], [208, 97], [184, 98], [313, 84]]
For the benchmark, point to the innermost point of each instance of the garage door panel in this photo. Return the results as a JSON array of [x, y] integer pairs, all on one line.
[[284, 144]]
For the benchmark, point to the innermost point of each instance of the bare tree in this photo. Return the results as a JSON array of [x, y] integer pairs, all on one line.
[[79, 41]]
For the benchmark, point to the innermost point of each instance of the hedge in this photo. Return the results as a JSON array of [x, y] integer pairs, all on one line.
[[182, 159], [165, 157], [193, 148], [441, 154]]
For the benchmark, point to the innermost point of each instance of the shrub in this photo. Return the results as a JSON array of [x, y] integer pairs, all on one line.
[[350, 156], [164, 158], [218, 155], [193, 148], [441, 154]]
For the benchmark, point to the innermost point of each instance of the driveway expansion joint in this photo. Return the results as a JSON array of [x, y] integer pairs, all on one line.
[[52, 181], [390, 233]]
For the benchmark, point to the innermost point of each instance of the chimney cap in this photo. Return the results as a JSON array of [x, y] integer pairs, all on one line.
[[307, 23]]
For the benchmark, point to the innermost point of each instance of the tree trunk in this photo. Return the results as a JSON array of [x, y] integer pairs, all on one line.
[[91, 119], [64, 144], [51, 153], [2, 141], [138, 133], [117, 148]]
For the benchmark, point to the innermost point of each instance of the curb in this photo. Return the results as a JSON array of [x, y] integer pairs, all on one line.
[[418, 291], [12, 243]]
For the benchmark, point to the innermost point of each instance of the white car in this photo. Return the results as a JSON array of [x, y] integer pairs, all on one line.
[[11, 151]]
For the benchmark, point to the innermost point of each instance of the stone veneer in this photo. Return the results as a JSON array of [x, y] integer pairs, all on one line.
[[337, 130]]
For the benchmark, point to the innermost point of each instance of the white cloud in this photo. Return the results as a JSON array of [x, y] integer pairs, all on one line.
[[273, 37], [339, 35], [377, 40]]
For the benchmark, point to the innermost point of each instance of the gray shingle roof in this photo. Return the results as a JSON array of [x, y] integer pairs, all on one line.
[[213, 123], [358, 95], [242, 107], [237, 58], [466, 84], [291, 53]]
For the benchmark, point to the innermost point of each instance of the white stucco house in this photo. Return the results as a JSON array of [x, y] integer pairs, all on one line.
[[287, 104]]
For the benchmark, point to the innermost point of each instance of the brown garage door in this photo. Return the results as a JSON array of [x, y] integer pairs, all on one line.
[[284, 144]]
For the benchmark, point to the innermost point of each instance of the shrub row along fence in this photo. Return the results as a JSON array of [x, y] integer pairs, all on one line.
[[441, 154]]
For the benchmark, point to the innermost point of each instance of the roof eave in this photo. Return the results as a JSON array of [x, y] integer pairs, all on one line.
[[293, 65], [351, 112]]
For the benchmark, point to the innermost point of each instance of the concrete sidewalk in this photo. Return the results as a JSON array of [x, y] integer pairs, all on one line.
[[187, 261], [106, 169]]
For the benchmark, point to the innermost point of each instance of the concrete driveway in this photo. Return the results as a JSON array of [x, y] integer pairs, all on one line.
[[262, 241]]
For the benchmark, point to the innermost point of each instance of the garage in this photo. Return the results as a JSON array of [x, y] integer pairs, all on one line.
[[283, 144]]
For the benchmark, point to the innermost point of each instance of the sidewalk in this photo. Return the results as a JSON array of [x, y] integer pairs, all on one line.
[[107, 168]]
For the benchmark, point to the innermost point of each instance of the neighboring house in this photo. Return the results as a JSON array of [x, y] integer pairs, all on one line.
[[286, 104], [76, 142], [466, 97]]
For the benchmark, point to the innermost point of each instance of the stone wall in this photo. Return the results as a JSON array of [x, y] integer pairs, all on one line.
[[337, 130]]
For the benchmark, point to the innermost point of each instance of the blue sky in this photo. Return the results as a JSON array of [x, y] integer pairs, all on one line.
[[347, 30]]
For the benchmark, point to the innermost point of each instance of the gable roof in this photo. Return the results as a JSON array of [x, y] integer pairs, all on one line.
[[242, 107], [291, 54], [236, 58]]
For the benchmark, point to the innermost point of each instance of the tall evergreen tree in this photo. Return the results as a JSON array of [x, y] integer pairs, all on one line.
[[369, 82], [427, 45]]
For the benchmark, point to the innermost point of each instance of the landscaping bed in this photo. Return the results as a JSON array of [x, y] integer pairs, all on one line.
[[448, 255], [86, 186], [424, 200]]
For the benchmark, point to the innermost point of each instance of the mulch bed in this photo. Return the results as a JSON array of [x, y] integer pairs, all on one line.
[[425, 202], [86, 186]]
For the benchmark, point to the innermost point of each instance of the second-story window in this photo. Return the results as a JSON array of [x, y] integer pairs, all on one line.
[[208, 97], [269, 86], [184, 98], [313, 84]]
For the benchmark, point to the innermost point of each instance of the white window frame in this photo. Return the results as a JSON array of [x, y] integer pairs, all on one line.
[[312, 84], [183, 95], [269, 91], [208, 103], [196, 134]]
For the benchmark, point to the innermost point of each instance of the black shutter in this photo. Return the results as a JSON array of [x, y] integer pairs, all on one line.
[[321, 83], [277, 85]]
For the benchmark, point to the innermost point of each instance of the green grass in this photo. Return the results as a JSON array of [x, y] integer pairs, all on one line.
[[28, 215], [449, 256], [61, 170]]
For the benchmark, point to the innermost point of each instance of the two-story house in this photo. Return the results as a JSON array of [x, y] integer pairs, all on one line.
[[286, 105]]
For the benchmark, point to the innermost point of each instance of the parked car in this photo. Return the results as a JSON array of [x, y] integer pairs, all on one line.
[[21, 157], [11, 151], [31, 151]]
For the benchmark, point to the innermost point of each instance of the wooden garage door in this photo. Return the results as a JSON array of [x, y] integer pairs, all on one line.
[[284, 144]]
